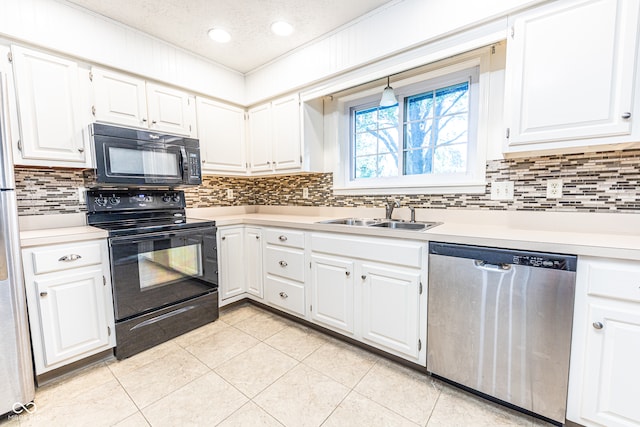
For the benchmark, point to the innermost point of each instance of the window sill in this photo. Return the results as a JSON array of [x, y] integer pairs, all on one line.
[[469, 188]]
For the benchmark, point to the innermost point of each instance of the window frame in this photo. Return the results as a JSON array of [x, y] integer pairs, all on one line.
[[438, 75]]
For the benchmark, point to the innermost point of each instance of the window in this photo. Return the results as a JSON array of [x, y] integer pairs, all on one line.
[[428, 142]]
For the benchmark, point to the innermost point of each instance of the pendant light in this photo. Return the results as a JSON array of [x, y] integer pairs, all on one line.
[[388, 96]]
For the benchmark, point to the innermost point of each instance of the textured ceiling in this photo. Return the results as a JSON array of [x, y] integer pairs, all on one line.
[[185, 23]]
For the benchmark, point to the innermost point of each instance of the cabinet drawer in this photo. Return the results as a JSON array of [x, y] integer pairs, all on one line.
[[290, 238], [284, 294], [613, 278], [63, 257], [284, 262]]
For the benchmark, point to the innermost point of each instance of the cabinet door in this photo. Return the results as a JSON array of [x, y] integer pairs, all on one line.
[[232, 263], [391, 307], [286, 133], [170, 110], [570, 71], [332, 301], [48, 92], [260, 134], [119, 98], [72, 314], [611, 370], [253, 261], [221, 130]]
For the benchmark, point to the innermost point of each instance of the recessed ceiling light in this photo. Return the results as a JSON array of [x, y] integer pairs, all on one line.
[[219, 35], [281, 28]]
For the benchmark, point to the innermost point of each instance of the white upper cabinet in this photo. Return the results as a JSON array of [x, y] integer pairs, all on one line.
[[286, 136], [570, 75], [286, 133], [49, 110], [221, 130], [119, 98], [129, 101], [170, 110], [260, 138]]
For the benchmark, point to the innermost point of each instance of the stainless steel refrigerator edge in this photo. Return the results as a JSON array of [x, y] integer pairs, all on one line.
[[16, 368]]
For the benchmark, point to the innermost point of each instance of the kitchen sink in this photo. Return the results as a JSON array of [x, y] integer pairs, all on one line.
[[403, 225], [363, 222], [382, 223]]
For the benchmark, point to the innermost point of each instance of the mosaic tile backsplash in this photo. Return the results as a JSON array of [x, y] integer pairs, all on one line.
[[592, 182]]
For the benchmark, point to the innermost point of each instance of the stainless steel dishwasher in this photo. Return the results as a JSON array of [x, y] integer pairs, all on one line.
[[499, 322]]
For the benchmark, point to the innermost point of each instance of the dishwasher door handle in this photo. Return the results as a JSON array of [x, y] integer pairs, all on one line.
[[499, 268]]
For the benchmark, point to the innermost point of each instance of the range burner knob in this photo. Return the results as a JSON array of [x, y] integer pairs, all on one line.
[[100, 201], [175, 198], [114, 200], [166, 199]]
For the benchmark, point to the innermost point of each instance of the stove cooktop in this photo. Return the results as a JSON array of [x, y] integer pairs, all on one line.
[[126, 228]]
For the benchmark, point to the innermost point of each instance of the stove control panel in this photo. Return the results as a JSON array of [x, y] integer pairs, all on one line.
[[134, 200]]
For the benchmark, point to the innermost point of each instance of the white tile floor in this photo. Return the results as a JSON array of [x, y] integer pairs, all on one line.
[[253, 368]]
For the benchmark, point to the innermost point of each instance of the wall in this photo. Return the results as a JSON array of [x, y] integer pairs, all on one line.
[[593, 182], [73, 31]]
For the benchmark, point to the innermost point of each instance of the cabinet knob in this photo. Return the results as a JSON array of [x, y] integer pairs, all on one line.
[[144, 120], [283, 263], [153, 122], [598, 325], [257, 237], [69, 258], [364, 277], [283, 238], [223, 238], [44, 293], [347, 273], [626, 115], [81, 149], [283, 295], [204, 161]]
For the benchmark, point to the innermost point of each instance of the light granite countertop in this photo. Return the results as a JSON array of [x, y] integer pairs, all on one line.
[[602, 235]]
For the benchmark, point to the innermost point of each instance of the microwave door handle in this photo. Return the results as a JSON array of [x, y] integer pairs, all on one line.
[[184, 164]]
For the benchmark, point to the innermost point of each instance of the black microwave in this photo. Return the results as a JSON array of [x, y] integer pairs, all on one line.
[[134, 157]]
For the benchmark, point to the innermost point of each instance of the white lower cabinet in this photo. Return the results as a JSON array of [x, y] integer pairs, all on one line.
[[605, 349], [68, 289], [391, 307], [332, 304], [240, 261], [284, 265], [370, 289]]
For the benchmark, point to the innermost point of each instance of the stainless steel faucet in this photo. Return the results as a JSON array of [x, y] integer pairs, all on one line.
[[412, 209], [389, 209]]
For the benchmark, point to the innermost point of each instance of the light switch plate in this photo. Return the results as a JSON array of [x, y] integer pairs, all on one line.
[[502, 190]]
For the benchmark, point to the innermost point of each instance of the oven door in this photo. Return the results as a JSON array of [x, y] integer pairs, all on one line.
[[155, 270], [136, 162]]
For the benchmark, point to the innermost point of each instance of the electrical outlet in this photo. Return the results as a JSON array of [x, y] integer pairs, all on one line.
[[82, 195], [229, 194], [502, 190], [305, 193], [554, 188]]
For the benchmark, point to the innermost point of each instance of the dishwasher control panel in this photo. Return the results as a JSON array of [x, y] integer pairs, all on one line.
[[502, 257]]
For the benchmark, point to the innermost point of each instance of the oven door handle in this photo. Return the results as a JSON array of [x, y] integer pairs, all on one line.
[[128, 240]]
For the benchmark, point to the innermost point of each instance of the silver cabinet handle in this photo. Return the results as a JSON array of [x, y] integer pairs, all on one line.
[[348, 273], [283, 238], [283, 295], [598, 325], [283, 263], [626, 115], [69, 258], [364, 277], [44, 293]]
